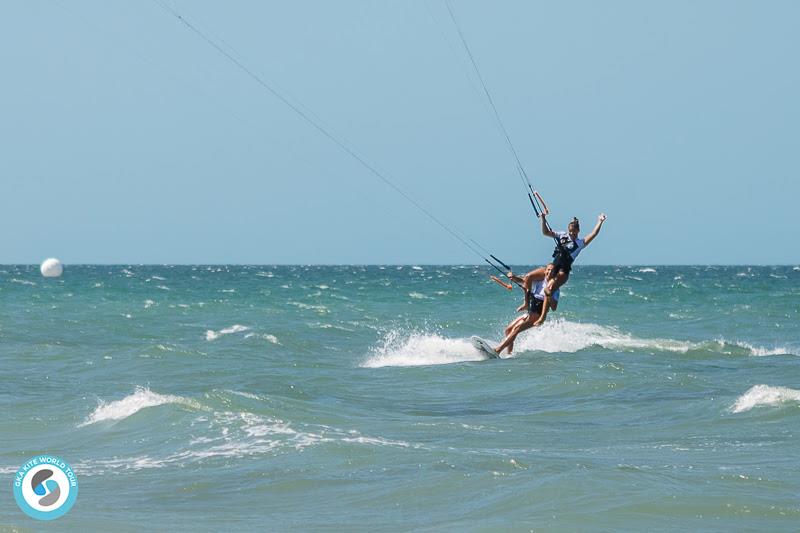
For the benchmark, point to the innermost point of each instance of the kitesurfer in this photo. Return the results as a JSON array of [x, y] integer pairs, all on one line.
[[568, 246], [536, 312]]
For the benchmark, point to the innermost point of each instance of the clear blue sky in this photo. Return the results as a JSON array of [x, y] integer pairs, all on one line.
[[127, 139]]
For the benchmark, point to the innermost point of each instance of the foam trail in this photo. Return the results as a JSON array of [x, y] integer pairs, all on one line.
[[132, 404], [759, 351], [212, 335], [556, 336], [266, 336], [564, 336], [418, 349], [764, 395]]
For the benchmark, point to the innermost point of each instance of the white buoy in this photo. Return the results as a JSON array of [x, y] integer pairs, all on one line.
[[52, 268]]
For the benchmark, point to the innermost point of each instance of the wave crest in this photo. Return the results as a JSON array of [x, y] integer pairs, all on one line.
[[212, 335], [565, 336], [399, 348], [132, 404], [764, 395], [418, 349]]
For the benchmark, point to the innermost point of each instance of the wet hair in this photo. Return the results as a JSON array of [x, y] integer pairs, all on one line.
[[575, 223]]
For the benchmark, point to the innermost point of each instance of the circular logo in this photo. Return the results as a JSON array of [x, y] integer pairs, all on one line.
[[45, 487]]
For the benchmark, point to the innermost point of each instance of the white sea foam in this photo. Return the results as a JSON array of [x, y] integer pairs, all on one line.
[[417, 349], [321, 309], [648, 270], [556, 336], [565, 336], [759, 351], [248, 395], [101, 466], [418, 296], [764, 395], [238, 434], [212, 335], [22, 281], [148, 303], [132, 404], [266, 336]]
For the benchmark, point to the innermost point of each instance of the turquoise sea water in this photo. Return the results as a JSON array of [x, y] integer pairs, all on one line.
[[348, 397]]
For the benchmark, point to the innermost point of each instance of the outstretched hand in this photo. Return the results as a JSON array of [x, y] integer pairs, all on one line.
[[602, 217]]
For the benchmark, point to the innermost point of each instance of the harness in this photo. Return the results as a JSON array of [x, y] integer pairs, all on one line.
[[562, 255]]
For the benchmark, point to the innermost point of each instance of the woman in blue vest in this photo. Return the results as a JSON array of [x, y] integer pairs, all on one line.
[[568, 246]]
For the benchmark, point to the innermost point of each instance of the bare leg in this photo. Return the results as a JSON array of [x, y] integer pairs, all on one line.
[[508, 342], [520, 325], [560, 279], [512, 325], [553, 285], [528, 280]]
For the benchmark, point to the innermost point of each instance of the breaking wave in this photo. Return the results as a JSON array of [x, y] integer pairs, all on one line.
[[398, 348], [565, 336], [132, 404], [223, 434], [764, 395], [212, 335], [419, 349]]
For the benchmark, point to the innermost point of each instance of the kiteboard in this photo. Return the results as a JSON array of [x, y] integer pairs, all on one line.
[[483, 346]]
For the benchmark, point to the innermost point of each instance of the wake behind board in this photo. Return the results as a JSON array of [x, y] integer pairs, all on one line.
[[484, 347]]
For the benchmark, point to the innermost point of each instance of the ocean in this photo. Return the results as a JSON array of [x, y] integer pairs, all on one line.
[[285, 398]]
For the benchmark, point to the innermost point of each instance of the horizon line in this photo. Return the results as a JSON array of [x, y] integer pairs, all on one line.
[[414, 264]]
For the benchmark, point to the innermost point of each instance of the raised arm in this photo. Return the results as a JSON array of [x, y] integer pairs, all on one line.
[[589, 238], [546, 231]]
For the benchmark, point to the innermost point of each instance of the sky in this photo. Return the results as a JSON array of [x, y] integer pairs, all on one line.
[[126, 138]]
